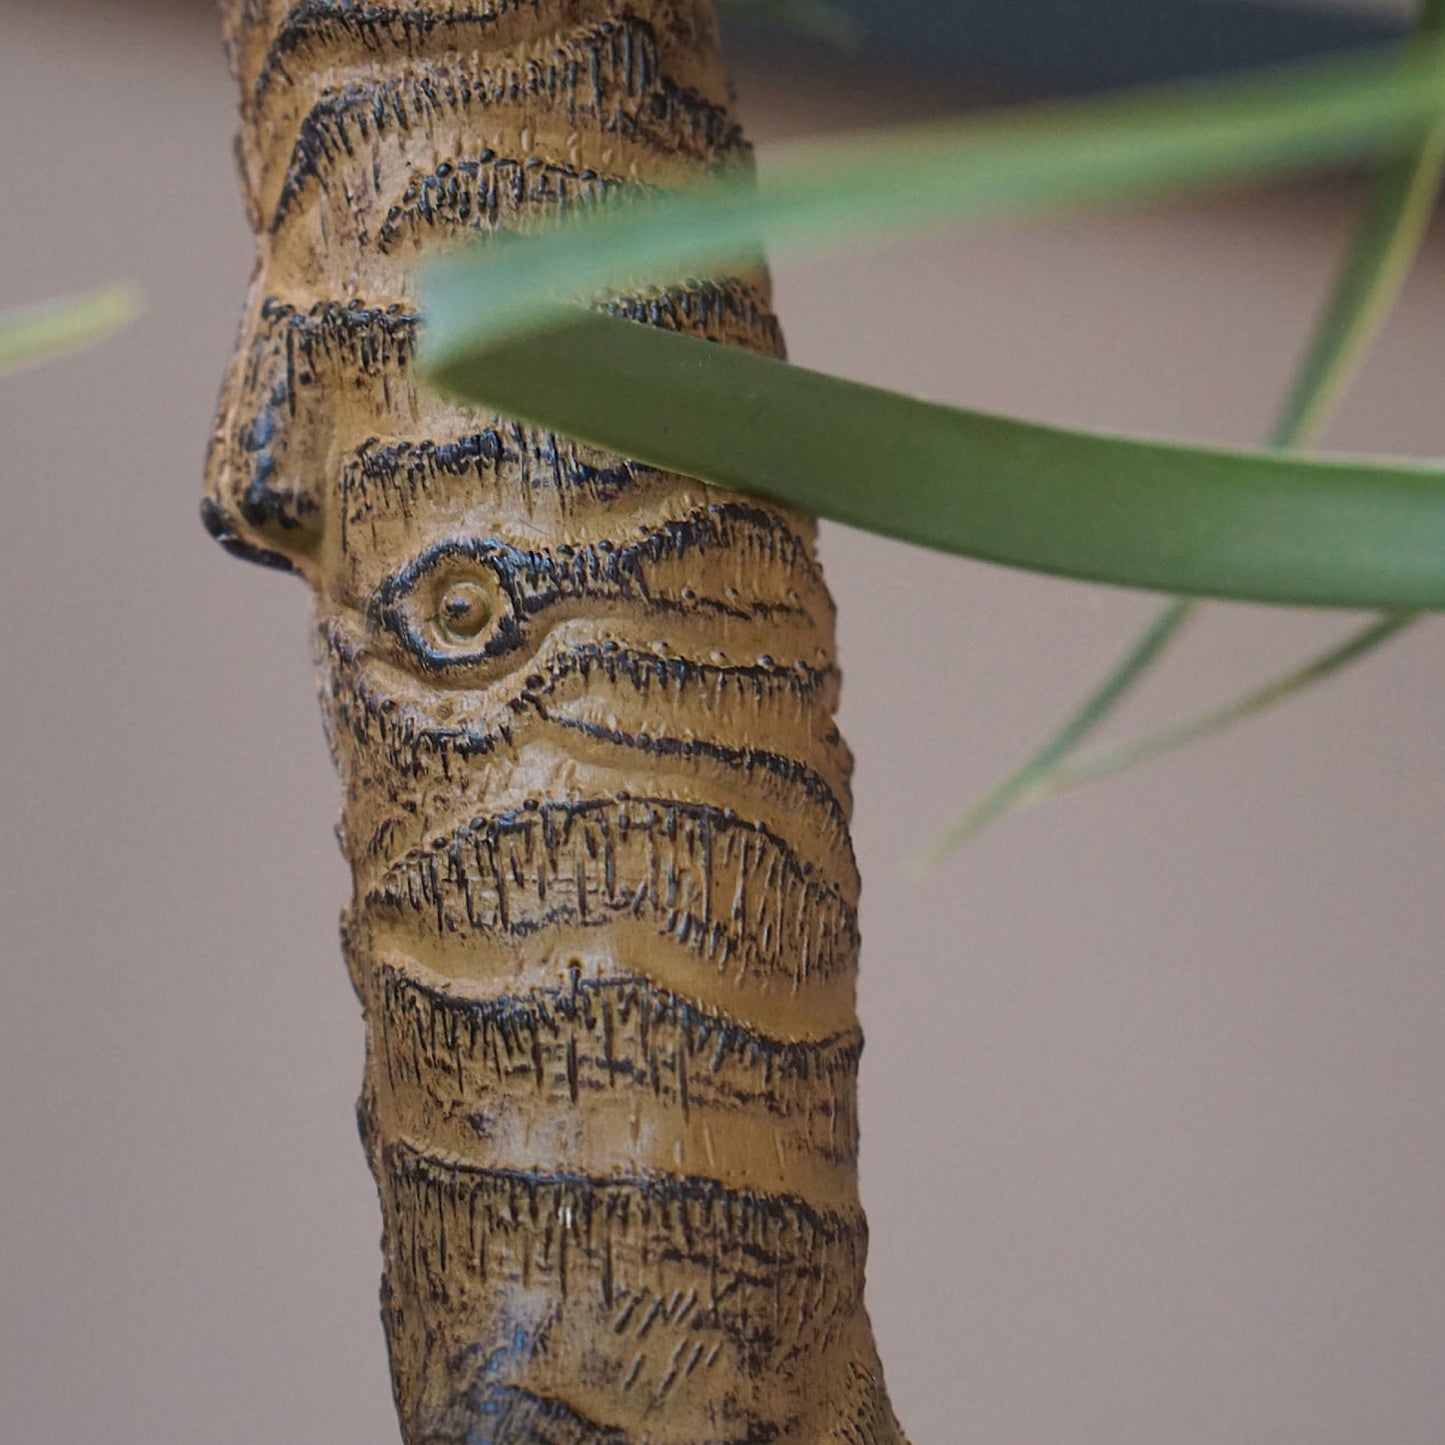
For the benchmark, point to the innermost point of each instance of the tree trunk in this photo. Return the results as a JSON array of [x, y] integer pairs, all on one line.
[[604, 919]]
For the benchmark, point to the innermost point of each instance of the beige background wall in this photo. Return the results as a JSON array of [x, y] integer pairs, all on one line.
[[1154, 1100]]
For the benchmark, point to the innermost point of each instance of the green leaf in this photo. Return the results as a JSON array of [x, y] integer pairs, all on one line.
[[1251, 525], [32, 334], [902, 179]]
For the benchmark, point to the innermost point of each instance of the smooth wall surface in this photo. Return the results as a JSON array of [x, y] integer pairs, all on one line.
[[1155, 1082]]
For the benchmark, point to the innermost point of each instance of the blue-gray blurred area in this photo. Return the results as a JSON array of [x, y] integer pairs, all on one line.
[[1063, 46]]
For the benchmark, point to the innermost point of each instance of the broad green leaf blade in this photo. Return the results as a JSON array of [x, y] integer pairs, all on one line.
[[32, 334], [899, 180], [1253, 525]]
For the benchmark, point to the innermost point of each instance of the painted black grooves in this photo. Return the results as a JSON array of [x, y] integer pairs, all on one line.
[[685, 866], [636, 1016], [390, 475], [491, 192], [746, 761], [767, 1277], [370, 710], [623, 1037], [536, 578], [332, 345], [606, 75], [696, 1217], [531, 582], [355, 336], [322, 27]]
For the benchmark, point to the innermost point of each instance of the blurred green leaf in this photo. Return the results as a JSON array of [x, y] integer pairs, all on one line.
[[32, 334]]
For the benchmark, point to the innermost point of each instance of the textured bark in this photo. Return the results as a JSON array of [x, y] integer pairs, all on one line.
[[604, 921]]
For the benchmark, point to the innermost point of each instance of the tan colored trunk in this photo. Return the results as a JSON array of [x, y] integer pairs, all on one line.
[[604, 921]]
